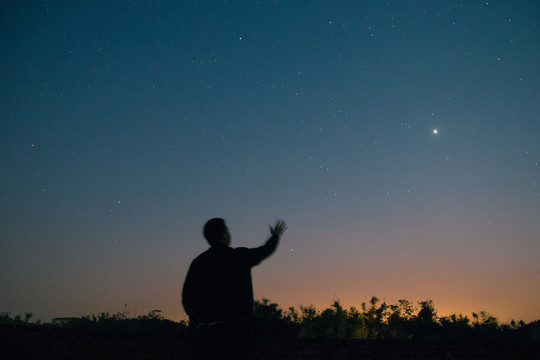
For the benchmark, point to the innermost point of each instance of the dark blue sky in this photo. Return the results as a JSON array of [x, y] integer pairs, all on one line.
[[126, 125]]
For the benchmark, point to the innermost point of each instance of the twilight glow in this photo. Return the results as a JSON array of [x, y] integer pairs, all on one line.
[[399, 140]]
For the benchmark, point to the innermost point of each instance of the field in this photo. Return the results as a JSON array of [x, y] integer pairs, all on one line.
[[53, 342]]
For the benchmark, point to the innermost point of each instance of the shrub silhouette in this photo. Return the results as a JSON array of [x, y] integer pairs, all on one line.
[[6, 319], [151, 323], [406, 330], [374, 320], [378, 320], [270, 320]]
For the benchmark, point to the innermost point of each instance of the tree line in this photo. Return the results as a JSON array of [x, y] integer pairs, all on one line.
[[373, 320], [379, 320]]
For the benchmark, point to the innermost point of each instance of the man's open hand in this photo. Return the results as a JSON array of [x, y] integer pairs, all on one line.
[[279, 228]]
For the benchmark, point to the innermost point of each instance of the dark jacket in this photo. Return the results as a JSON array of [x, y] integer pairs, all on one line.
[[218, 284]]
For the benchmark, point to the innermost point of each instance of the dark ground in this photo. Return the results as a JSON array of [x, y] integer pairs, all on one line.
[[51, 342]]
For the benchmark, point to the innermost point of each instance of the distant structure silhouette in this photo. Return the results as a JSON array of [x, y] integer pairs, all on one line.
[[218, 292]]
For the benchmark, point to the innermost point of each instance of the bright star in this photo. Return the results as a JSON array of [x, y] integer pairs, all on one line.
[[435, 131]]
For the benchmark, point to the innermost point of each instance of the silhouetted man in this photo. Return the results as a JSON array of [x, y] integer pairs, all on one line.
[[218, 292]]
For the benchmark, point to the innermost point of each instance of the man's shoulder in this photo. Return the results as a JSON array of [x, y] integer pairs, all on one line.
[[214, 251], [200, 257]]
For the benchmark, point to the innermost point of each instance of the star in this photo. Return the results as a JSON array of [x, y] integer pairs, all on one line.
[[435, 131]]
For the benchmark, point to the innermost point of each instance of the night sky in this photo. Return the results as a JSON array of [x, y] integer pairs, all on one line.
[[400, 140]]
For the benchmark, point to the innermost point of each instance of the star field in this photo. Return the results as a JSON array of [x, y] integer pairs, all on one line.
[[398, 140]]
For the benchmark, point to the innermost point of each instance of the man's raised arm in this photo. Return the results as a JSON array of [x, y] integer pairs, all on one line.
[[255, 256]]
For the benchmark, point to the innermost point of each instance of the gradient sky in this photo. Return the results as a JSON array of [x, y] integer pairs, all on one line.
[[126, 125]]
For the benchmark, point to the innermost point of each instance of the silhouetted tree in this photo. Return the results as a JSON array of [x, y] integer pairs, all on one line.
[[375, 320], [309, 322], [269, 319], [373, 324], [486, 325], [17, 320], [334, 321], [455, 326], [400, 321], [426, 324]]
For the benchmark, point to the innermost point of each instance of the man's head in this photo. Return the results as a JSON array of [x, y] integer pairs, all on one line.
[[216, 232]]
